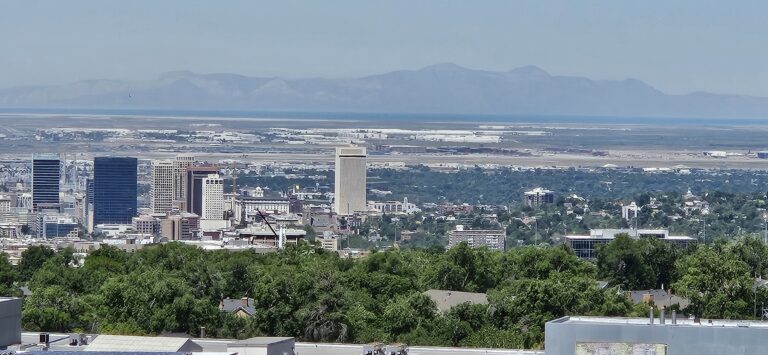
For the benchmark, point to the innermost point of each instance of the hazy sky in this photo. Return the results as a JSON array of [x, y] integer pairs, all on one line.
[[678, 46]]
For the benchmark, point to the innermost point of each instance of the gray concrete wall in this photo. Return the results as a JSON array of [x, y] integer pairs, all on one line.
[[561, 337], [10, 321]]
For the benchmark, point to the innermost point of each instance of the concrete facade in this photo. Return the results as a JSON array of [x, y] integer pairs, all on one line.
[[598, 334], [162, 186], [10, 321], [351, 173], [213, 197]]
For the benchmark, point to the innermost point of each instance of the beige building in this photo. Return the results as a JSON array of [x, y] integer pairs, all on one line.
[[162, 186], [493, 239], [329, 243], [349, 188]]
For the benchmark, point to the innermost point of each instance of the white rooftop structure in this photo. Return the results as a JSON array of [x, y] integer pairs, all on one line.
[[124, 343]]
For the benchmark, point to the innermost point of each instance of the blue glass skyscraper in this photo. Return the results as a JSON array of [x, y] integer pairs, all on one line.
[[46, 173], [114, 190]]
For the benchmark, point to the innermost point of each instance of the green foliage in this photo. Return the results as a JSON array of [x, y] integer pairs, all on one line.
[[32, 259], [314, 295], [717, 284]]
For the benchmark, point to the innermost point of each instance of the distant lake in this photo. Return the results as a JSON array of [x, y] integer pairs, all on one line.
[[405, 117]]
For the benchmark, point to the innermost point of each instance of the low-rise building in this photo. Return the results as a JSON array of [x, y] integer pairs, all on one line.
[[539, 196], [585, 246]]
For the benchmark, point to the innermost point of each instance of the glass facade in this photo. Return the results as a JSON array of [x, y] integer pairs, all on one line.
[[114, 190], [46, 173]]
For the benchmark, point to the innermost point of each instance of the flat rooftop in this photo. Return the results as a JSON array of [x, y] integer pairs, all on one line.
[[681, 322]]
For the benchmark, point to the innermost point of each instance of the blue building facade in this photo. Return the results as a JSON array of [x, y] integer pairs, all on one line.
[[114, 190], [46, 174]]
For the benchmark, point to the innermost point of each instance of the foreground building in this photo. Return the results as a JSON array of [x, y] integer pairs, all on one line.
[[10, 321], [585, 246], [629, 336], [349, 188]]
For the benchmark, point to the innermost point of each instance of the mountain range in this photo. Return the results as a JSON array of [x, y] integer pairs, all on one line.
[[441, 88]]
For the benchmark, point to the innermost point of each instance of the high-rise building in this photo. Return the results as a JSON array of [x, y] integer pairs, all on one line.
[[114, 190], [349, 191], [194, 189], [46, 175], [213, 197], [162, 195], [180, 166]]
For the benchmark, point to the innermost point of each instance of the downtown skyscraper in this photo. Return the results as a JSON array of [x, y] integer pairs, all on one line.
[[46, 177], [349, 189], [162, 193], [114, 190]]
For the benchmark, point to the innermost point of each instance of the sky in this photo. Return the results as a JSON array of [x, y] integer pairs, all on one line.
[[678, 46]]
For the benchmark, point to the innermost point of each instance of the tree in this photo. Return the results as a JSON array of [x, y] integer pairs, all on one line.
[[32, 259], [7, 277], [623, 263], [717, 284]]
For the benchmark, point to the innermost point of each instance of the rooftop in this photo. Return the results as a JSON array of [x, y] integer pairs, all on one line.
[[125, 343], [681, 322]]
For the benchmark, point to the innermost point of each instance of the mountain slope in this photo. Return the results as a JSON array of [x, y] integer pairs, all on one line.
[[441, 88]]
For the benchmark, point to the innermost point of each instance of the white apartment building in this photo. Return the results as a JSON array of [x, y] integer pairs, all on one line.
[[213, 197], [349, 188], [493, 239], [162, 194]]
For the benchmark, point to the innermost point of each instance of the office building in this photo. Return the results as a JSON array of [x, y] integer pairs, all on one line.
[[493, 239], [585, 246], [247, 208], [182, 226], [349, 188], [213, 197], [114, 190], [180, 166], [539, 196], [162, 194], [46, 176], [194, 187], [146, 224], [55, 225], [667, 335]]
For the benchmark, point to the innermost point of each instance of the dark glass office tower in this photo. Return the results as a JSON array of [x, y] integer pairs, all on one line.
[[195, 176], [114, 190], [46, 173]]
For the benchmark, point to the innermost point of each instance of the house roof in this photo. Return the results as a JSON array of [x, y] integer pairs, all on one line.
[[233, 305], [446, 299], [661, 298], [122, 343]]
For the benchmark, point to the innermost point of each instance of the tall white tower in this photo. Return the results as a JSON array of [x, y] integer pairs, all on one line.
[[162, 186], [213, 197], [349, 190]]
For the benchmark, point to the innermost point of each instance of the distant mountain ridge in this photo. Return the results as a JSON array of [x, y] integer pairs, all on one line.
[[440, 88]]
